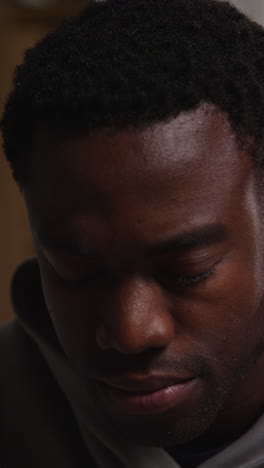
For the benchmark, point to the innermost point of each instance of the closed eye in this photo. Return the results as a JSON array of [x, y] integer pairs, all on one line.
[[172, 279]]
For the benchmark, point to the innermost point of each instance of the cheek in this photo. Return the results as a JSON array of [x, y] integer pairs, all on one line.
[[225, 315]]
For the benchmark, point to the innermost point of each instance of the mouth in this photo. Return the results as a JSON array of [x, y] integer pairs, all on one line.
[[147, 396]]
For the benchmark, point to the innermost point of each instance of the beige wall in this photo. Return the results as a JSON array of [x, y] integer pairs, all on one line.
[[19, 29], [253, 8]]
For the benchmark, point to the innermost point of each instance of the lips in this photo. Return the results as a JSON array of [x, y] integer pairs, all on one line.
[[143, 384], [147, 396]]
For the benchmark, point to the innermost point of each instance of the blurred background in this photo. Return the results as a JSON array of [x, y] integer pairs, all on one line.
[[22, 23]]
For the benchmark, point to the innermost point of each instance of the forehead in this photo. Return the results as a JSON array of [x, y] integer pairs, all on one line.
[[190, 166]]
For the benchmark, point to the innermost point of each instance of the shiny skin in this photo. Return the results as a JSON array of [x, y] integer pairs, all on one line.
[[104, 209]]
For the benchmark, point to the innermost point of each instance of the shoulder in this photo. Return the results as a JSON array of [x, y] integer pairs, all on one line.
[[36, 421], [9, 334], [25, 377], [18, 353], [14, 346]]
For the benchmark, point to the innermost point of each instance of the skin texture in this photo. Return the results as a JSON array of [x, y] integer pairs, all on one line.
[[101, 209]]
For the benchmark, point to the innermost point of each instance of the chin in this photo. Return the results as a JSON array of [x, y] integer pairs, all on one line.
[[186, 415], [166, 430]]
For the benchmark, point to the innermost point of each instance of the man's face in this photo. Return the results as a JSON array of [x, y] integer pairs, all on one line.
[[151, 260]]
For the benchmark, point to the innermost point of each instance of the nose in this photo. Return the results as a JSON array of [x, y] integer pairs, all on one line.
[[135, 319]]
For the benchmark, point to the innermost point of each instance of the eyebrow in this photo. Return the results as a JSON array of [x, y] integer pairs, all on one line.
[[63, 245], [198, 236]]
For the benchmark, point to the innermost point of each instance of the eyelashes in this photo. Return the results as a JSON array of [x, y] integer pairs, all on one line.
[[183, 280], [167, 274], [167, 278]]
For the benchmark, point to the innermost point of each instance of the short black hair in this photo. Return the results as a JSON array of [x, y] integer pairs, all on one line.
[[123, 63]]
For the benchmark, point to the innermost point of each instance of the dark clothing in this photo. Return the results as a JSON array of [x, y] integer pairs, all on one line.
[[37, 425]]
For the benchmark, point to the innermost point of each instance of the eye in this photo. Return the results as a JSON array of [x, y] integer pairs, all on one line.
[[180, 280], [69, 274]]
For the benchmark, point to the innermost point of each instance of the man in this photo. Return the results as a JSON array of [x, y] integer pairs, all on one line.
[[135, 133]]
